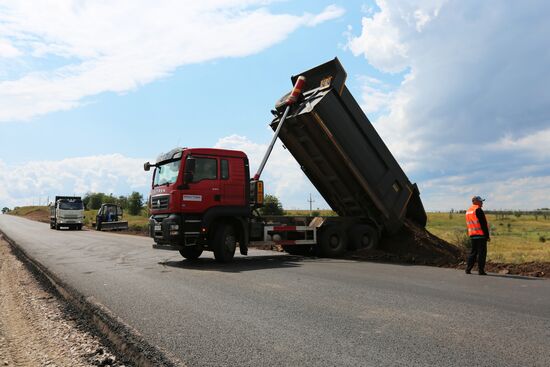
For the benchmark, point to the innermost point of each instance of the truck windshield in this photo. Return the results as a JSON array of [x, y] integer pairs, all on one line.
[[167, 173], [71, 205]]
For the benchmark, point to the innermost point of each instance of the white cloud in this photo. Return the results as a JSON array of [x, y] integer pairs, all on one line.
[[7, 50], [97, 47], [375, 95], [536, 145], [330, 12], [515, 193], [114, 173], [474, 101]]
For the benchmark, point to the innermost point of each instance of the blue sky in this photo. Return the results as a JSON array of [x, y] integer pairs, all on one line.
[[89, 91]]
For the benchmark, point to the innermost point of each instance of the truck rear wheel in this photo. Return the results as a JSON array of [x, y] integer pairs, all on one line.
[[364, 236], [225, 243], [191, 252], [333, 241]]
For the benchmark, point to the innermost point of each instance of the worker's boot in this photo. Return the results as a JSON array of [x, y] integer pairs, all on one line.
[[243, 249]]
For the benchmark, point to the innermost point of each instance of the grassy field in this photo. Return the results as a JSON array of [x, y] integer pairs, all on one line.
[[135, 222], [513, 239]]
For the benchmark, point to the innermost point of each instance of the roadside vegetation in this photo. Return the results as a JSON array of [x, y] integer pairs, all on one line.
[[516, 237]]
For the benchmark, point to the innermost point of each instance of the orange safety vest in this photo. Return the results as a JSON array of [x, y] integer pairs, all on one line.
[[472, 222]]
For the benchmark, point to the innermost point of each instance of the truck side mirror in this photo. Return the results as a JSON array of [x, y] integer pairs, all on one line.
[[147, 166], [189, 170]]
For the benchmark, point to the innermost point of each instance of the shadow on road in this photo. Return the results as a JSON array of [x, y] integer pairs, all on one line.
[[239, 264]]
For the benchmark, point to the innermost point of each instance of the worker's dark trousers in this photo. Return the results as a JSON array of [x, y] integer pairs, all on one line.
[[479, 252]]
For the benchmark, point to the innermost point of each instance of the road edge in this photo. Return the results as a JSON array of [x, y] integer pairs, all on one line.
[[125, 340]]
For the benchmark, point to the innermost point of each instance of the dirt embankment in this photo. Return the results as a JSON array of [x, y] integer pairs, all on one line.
[[416, 245], [37, 213], [37, 329]]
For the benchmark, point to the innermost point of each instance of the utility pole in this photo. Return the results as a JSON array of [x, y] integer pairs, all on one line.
[[311, 201]]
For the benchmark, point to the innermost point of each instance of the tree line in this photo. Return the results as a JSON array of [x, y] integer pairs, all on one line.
[[132, 203]]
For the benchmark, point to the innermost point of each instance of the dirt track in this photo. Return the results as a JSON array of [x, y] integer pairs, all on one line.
[[36, 328]]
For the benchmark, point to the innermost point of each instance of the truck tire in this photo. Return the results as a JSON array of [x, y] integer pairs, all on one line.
[[79, 227], [332, 242], [364, 236], [191, 252], [225, 243], [303, 250]]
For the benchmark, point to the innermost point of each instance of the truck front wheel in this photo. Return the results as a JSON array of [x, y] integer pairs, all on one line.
[[191, 252], [225, 243], [333, 241]]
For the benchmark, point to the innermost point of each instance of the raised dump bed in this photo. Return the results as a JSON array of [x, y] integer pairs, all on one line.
[[344, 157]]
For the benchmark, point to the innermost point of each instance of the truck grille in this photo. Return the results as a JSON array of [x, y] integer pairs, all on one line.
[[160, 202]]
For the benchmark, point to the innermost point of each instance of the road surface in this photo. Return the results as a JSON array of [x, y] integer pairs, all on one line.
[[270, 309]]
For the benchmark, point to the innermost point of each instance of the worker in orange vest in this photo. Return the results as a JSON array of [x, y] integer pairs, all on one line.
[[478, 230]]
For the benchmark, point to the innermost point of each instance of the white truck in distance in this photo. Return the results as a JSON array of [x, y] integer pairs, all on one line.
[[67, 212]]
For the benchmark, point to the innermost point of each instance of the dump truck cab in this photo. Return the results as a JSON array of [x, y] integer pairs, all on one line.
[[195, 191], [66, 212]]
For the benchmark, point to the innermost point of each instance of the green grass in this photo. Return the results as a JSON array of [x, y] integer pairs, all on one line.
[[513, 239], [135, 222]]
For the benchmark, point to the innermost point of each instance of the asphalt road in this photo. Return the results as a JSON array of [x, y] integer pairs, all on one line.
[[269, 309]]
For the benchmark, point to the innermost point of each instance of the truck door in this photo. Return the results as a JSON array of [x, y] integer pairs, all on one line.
[[204, 189], [232, 181]]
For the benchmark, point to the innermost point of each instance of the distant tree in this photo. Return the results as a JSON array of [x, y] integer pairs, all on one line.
[[135, 203], [122, 201], [5, 210], [109, 199], [96, 199], [272, 206]]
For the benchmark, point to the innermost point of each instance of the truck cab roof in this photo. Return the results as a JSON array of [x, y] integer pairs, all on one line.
[[178, 153]]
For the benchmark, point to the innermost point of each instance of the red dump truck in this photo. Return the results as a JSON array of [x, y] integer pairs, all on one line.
[[205, 199]]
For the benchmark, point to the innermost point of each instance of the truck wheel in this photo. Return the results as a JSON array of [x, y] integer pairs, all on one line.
[[303, 250], [79, 227], [191, 252], [364, 236], [333, 241], [225, 243]]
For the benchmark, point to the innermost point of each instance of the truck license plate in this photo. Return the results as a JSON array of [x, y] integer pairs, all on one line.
[[157, 227]]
